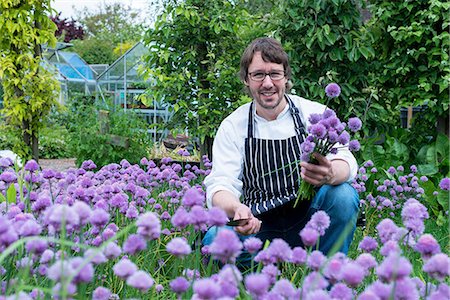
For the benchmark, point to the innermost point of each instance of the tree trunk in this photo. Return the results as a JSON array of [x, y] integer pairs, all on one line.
[[206, 147]]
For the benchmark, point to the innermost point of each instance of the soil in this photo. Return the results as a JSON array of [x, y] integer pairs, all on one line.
[[57, 164]]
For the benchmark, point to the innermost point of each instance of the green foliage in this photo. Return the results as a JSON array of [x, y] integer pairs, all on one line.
[[95, 50], [86, 142], [107, 28], [10, 138], [194, 60], [412, 63], [53, 142], [325, 40], [29, 89]]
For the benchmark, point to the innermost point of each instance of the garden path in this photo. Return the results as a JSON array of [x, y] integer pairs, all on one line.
[[57, 164]]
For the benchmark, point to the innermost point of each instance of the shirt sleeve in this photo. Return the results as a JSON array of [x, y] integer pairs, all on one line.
[[226, 163], [345, 154]]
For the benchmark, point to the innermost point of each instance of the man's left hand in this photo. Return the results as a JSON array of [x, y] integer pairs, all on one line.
[[319, 174]]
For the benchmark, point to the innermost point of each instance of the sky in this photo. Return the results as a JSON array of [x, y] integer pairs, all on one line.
[[67, 10]]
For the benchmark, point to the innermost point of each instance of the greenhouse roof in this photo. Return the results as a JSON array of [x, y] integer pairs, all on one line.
[[125, 65], [70, 65]]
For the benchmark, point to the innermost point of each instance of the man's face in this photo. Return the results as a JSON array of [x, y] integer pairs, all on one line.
[[268, 93]]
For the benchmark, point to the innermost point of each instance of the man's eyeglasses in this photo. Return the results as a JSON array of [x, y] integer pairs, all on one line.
[[260, 76]]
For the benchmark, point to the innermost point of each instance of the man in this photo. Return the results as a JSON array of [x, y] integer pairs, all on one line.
[[256, 148]]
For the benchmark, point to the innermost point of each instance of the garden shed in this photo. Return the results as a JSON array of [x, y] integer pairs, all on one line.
[[122, 84], [74, 74]]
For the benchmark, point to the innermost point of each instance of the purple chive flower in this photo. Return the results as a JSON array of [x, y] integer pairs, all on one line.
[[226, 246], [445, 184], [315, 118], [344, 138], [309, 236], [30, 228], [46, 256], [341, 291], [394, 267], [279, 250], [181, 218], [353, 274], [101, 293], [149, 226], [31, 166], [252, 244], [354, 145], [124, 268], [85, 274], [441, 292], [134, 243], [257, 284], [285, 289], [354, 124], [333, 268], [368, 244], [316, 260], [427, 246], [367, 261], [405, 288], [36, 246], [59, 213], [178, 247], [206, 288], [332, 90], [386, 230], [6, 162], [193, 197], [217, 217], [413, 214], [272, 272], [112, 250], [99, 217], [389, 247], [140, 280], [318, 130], [299, 256], [8, 177], [95, 256], [438, 266], [179, 285], [59, 270], [320, 221], [307, 146], [313, 281]]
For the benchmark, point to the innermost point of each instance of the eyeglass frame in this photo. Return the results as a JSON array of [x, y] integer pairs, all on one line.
[[250, 75]]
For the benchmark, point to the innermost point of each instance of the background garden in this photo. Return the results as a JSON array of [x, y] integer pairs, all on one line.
[[127, 220]]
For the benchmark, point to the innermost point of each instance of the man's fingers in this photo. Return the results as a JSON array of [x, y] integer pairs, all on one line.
[[322, 159]]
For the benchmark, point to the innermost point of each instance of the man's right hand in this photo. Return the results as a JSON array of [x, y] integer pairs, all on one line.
[[252, 226], [236, 210]]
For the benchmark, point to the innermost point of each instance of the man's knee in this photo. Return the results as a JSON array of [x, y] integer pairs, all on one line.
[[340, 200]]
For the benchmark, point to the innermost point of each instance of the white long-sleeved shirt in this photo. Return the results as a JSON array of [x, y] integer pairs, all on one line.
[[228, 147]]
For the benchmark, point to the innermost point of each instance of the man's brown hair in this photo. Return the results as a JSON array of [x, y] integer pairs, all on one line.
[[271, 51]]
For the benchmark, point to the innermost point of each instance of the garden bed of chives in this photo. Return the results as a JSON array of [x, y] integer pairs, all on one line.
[[133, 232]]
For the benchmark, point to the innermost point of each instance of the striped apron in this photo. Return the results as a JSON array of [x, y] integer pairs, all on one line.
[[271, 172]]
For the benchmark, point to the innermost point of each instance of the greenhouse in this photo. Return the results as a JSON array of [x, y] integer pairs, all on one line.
[[122, 84], [74, 74]]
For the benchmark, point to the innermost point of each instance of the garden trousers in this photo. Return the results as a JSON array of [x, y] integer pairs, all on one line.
[[340, 202]]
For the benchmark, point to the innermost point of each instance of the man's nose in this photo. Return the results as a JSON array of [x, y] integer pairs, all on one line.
[[267, 81]]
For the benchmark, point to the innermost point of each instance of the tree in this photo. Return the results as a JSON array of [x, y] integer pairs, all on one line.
[[29, 89], [194, 59], [67, 30], [326, 42], [110, 26], [411, 39]]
